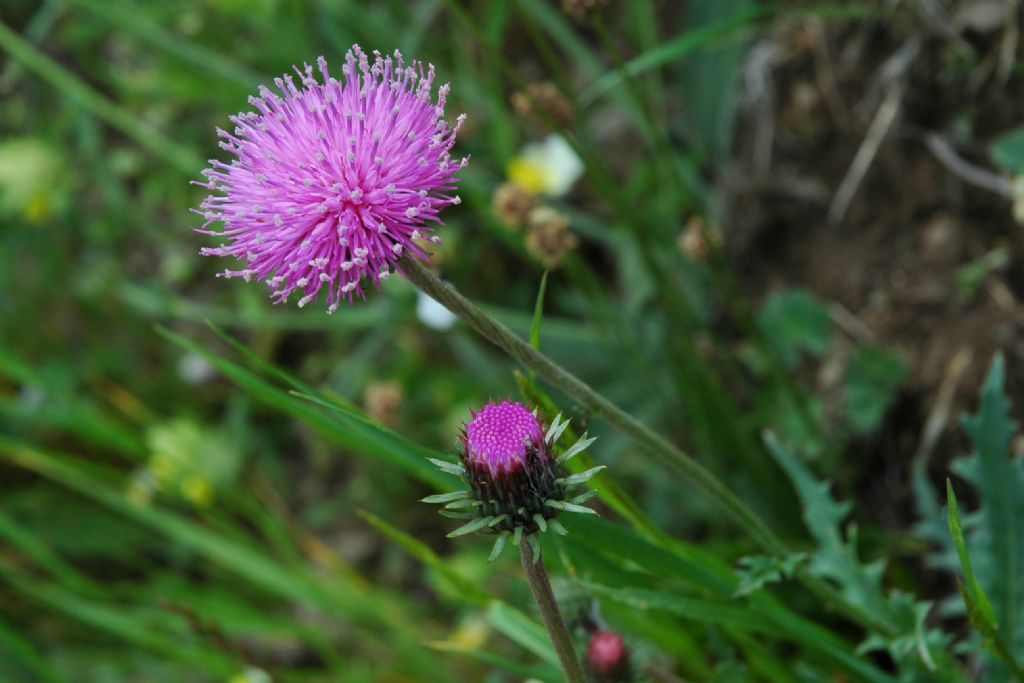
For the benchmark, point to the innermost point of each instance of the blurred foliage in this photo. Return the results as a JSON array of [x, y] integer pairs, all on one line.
[[182, 501]]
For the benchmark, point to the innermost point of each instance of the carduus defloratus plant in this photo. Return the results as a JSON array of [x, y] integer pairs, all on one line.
[[517, 483], [334, 181]]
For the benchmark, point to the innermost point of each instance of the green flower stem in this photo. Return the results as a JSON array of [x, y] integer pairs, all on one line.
[[537, 576], [688, 468]]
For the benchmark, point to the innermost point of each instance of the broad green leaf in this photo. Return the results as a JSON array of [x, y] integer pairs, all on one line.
[[522, 630]]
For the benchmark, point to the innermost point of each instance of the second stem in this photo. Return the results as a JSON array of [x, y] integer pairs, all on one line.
[[537, 576]]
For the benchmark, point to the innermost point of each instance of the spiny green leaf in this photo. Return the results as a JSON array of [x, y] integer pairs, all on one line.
[[756, 571], [575, 449], [446, 497], [833, 558], [499, 545], [583, 497], [583, 477], [558, 427], [450, 467], [569, 507], [462, 503], [470, 527], [457, 514]]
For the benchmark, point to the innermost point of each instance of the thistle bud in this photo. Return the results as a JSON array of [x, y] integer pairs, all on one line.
[[580, 9], [517, 485], [513, 203], [543, 103], [608, 657], [549, 239]]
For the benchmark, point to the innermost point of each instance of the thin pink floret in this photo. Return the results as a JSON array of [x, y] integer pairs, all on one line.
[[333, 181]]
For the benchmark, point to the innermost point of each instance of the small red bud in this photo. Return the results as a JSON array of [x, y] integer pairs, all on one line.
[[608, 657]]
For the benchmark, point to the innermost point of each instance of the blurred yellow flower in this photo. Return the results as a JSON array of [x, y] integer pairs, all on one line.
[[187, 460], [197, 490], [548, 168], [32, 179]]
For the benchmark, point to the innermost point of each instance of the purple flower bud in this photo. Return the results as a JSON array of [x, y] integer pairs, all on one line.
[[517, 485], [503, 437], [333, 180]]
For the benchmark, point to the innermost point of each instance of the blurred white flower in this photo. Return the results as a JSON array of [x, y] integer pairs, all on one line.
[[194, 369], [549, 168], [432, 314]]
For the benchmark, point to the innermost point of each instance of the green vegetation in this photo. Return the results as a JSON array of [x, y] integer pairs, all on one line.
[[197, 485]]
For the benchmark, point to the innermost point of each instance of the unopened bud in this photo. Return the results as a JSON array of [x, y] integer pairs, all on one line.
[[579, 9], [692, 240], [517, 484], [383, 402], [548, 238], [608, 657], [513, 203], [544, 104]]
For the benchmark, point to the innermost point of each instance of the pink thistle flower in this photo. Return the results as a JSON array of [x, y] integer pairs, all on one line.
[[334, 181], [517, 485]]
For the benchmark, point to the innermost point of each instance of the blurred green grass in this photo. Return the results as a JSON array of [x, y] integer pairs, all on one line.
[[174, 508]]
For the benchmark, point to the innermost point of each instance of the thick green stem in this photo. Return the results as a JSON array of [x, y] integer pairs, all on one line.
[[537, 576], [688, 468]]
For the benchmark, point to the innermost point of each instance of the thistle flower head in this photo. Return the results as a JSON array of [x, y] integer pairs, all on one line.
[[608, 657], [517, 485], [502, 436], [333, 180]]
